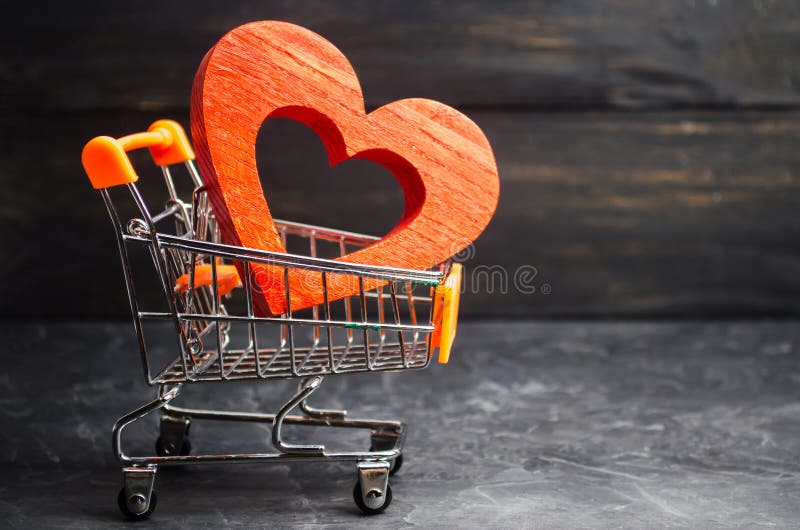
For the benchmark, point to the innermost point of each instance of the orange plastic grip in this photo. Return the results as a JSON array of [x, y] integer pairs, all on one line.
[[445, 312], [106, 162], [227, 279]]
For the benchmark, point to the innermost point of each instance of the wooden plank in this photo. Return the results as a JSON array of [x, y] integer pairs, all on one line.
[[622, 214], [620, 53], [687, 214]]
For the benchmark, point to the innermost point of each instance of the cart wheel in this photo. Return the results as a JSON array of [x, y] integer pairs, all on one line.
[[164, 448], [398, 462], [123, 506], [396, 465], [361, 502]]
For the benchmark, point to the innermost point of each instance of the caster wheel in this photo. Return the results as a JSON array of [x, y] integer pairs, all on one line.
[[123, 506], [398, 462], [396, 465], [362, 505], [168, 449]]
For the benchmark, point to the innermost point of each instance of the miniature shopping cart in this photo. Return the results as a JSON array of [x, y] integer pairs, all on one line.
[[396, 326]]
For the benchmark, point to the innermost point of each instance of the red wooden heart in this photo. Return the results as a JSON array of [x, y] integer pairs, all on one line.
[[441, 159]]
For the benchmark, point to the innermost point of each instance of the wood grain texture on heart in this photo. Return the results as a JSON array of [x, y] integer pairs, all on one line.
[[441, 159]]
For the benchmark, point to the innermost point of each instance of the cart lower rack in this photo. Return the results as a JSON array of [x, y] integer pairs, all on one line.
[[208, 299]]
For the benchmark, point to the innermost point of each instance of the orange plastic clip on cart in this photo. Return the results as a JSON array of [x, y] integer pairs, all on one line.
[[221, 338]]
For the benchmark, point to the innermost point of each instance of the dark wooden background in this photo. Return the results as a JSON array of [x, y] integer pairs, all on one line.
[[649, 152]]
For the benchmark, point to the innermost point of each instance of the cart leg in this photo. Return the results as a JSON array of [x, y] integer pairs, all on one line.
[[174, 436], [137, 499], [307, 387], [372, 492], [165, 396], [322, 414]]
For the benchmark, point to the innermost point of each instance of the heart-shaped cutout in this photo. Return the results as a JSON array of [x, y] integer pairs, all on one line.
[[441, 159]]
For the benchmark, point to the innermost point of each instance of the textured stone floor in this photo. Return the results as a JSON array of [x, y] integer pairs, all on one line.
[[532, 424]]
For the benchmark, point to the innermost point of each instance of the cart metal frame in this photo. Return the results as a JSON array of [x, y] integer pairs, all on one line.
[[384, 329]]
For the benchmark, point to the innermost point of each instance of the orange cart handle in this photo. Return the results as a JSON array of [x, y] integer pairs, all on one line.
[[106, 161]]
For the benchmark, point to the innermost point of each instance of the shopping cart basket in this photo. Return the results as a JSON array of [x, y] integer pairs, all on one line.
[[396, 326]]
